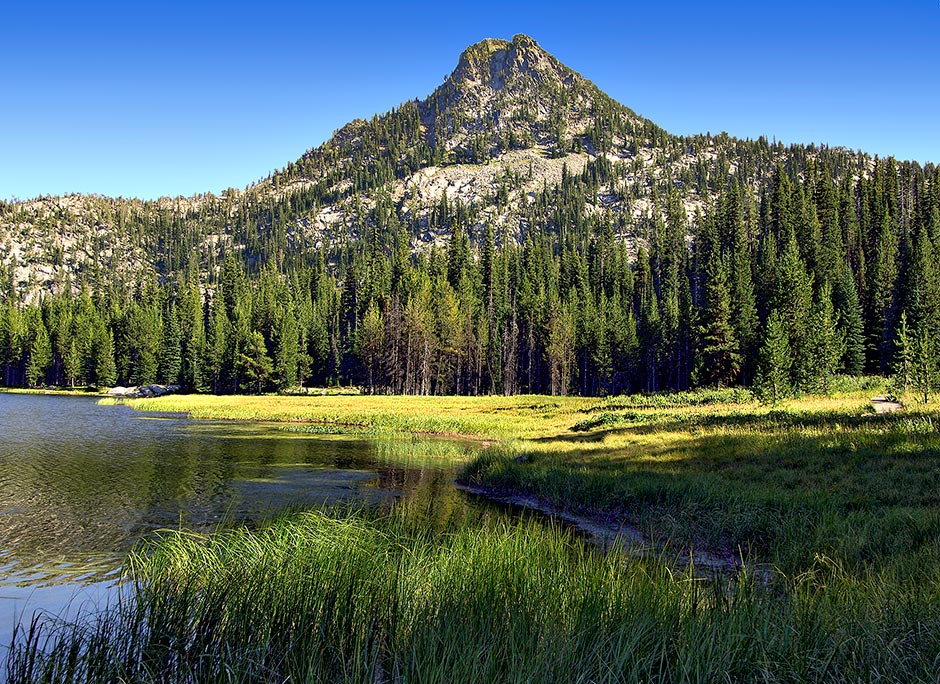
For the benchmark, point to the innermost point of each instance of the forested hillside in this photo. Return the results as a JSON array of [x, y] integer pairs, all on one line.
[[516, 231]]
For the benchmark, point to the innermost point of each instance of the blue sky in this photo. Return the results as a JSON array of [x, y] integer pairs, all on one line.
[[138, 99]]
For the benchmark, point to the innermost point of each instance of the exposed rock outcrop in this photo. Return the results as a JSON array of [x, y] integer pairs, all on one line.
[[142, 391]]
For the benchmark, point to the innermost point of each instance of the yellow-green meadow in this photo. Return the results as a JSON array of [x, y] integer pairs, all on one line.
[[838, 506]]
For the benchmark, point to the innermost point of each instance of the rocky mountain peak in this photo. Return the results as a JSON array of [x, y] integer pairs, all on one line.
[[512, 93], [510, 124], [493, 63]]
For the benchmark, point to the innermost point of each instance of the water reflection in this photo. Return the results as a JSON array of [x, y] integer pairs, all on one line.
[[81, 483]]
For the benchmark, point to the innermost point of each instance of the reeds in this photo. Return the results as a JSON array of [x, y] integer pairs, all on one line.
[[359, 598], [844, 504]]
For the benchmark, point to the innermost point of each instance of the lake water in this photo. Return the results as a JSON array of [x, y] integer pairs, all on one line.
[[80, 484]]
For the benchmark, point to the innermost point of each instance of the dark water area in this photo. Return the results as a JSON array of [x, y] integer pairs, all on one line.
[[81, 484]]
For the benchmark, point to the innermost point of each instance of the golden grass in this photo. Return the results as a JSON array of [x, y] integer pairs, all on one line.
[[480, 417], [59, 391], [543, 423]]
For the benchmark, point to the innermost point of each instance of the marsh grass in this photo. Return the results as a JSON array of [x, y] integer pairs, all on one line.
[[842, 502], [820, 476], [357, 598], [485, 417], [711, 468]]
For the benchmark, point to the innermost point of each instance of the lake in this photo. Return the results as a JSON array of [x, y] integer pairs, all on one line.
[[81, 484]]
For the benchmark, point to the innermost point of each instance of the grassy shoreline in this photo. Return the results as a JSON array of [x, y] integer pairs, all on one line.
[[355, 598], [495, 418], [709, 470], [58, 391], [842, 501]]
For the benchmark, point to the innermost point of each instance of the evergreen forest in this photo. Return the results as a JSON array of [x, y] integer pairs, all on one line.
[[779, 281]]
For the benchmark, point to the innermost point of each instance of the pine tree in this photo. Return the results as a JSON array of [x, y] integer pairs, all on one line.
[[849, 316], [286, 350], [193, 333], [925, 362], [832, 248], [851, 234], [719, 355], [792, 298], [772, 384], [105, 368], [216, 337], [401, 263], [371, 340], [623, 342], [143, 327], [458, 255], [489, 274], [882, 273], [40, 354], [648, 323], [903, 355], [71, 362], [824, 348], [743, 300], [783, 211], [255, 362], [560, 348], [921, 294], [171, 357], [193, 354]]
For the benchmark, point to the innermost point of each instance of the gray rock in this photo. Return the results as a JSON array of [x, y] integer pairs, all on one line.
[[143, 391]]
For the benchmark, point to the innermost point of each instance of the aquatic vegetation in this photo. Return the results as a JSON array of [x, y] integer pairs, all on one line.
[[838, 505], [359, 598]]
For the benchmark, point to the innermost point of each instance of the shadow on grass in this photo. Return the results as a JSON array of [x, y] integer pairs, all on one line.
[[859, 487], [775, 420]]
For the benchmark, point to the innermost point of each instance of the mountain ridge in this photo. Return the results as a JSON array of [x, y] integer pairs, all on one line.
[[515, 231], [508, 121]]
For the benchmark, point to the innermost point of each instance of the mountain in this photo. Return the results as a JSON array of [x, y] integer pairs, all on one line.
[[510, 121], [515, 231]]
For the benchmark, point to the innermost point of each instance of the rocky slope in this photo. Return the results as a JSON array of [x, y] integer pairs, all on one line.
[[509, 123]]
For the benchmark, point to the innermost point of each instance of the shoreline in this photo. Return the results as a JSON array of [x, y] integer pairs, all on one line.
[[615, 534], [62, 392], [605, 529], [709, 479]]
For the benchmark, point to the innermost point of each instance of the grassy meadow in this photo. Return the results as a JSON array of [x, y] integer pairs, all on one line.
[[480, 417], [840, 507], [711, 469]]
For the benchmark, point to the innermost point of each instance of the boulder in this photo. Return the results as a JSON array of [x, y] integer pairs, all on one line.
[[143, 391]]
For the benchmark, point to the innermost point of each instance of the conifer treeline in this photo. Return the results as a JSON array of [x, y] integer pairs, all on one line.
[[780, 286]]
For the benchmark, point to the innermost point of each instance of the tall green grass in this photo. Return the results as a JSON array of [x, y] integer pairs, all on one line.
[[358, 598], [781, 485], [843, 503], [698, 397]]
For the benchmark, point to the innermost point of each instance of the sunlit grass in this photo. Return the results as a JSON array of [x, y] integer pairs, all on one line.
[[492, 417], [710, 469], [783, 484], [844, 503], [57, 391]]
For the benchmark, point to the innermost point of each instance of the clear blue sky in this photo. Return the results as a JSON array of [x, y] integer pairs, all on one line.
[[166, 99]]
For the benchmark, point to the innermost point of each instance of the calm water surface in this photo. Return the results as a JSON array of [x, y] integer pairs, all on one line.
[[80, 484]]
